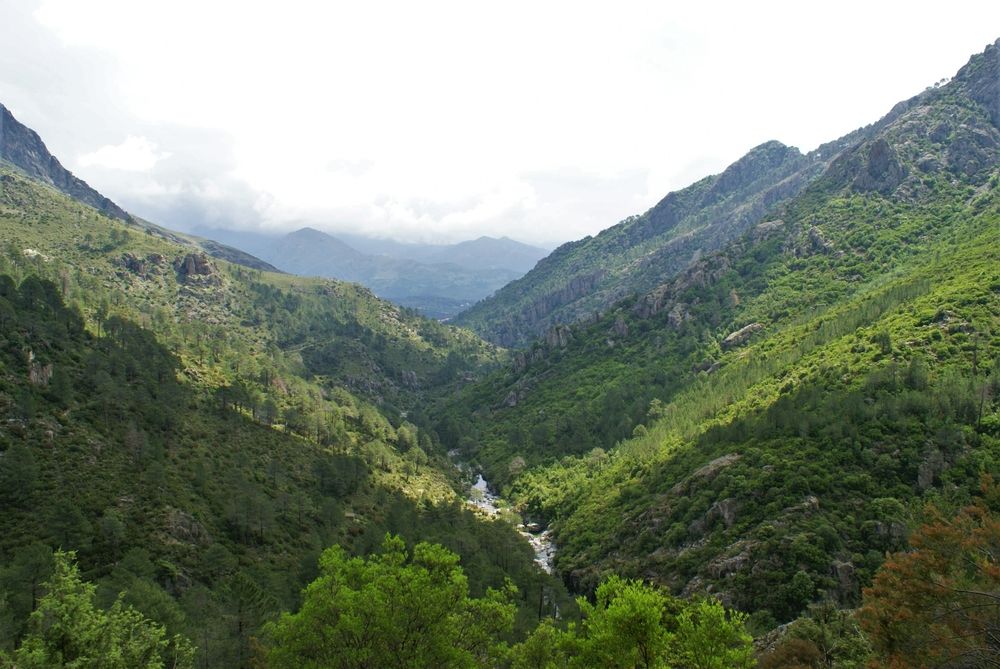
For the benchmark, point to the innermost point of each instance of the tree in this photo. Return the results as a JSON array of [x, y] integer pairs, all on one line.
[[826, 638], [624, 627], [247, 606], [937, 603], [391, 609], [543, 649], [21, 587], [632, 625], [68, 630], [18, 475], [709, 637]]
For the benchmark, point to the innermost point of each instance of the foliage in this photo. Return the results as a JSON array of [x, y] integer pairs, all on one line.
[[68, 630], [936, 604], [631, 624], [391, 609], [870, 390], [228, 423], [709, 637], [826, 638], [627, 626]]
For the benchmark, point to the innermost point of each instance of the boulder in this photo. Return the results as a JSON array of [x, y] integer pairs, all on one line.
[[741, 336]]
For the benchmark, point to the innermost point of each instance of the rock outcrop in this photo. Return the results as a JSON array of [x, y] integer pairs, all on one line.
[[882, 171], [559, 336], [741, 336], [38, 374], [196, 266]]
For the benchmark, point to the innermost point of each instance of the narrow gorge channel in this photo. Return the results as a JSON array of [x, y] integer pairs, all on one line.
[[482, 498]]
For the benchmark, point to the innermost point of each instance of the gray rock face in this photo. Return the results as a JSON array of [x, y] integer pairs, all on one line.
[[973, 149], [933, 464], [38, 374], [559, 336], [620, 328], [981, 80], [741, 336], [196, 267], [882, 171], [22, 147]]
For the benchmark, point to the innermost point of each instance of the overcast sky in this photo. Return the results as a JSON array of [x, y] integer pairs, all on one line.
[[440, 121]]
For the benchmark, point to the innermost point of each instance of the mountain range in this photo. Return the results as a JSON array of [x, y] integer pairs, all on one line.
[[756, 393], [437, 280], [585, 277]]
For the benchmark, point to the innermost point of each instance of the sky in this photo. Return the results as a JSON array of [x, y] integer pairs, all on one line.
[[442, 121]]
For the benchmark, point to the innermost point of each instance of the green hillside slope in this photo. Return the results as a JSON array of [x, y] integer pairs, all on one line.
[[764, 425], [199, 431]]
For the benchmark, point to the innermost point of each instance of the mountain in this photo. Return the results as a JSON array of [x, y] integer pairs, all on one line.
[[197, 430], [583, 277], [23, 148], [444, 280], [770, 418], [740, 434], [484, 252]]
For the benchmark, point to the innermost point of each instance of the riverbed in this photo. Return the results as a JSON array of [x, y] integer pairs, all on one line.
[[484, 499]]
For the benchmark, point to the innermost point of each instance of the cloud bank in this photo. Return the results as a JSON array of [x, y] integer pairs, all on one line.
[[441, 121]]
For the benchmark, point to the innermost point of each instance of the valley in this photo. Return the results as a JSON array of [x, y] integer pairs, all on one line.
[[756, 425]]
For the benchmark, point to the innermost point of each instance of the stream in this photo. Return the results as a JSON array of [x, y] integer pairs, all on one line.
[[490, 504]]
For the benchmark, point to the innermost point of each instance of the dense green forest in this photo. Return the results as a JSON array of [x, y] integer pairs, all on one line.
[[198, 432], [767, 423]]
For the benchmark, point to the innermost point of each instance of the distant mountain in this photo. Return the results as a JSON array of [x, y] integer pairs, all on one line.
[[439, 280], [484, 252]]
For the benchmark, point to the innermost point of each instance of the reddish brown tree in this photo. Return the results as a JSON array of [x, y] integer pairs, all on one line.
[[938, 605]]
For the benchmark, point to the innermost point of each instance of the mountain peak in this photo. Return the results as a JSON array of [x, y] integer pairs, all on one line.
[[759, 160], [22, 147], [980, 79]]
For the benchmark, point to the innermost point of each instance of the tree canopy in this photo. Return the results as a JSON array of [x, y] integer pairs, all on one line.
[[69, 630], [395, 608]]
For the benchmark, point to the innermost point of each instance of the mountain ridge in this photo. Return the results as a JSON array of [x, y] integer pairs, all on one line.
[[582, 278], [775, 413], [23, 147], [438, 281]]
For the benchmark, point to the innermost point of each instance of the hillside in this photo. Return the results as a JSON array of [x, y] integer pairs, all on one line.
[[585, 277], [438, 281], [22, 147], [765, 424], [197, 431]]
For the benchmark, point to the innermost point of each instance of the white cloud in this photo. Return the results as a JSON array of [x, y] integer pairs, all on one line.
[[135, 154], [445, 119]]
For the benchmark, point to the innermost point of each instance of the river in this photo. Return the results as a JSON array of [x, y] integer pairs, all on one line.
[[482, 498]]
